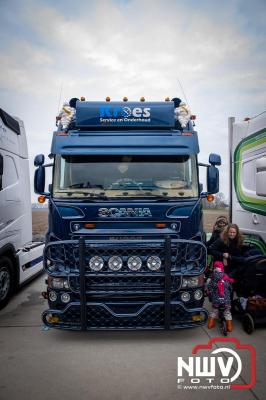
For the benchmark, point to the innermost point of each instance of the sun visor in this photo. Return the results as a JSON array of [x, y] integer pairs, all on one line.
[[117, 115]]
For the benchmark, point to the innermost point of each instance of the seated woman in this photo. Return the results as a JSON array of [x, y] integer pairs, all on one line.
[[220, 223], [229, 249]]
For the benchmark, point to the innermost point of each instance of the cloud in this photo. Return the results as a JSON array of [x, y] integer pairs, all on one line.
[[134, 48]]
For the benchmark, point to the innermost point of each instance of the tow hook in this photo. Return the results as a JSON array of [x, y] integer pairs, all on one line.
[[45, 295]]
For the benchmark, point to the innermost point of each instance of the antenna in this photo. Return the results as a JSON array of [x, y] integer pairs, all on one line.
[[185, 97], [258, 115], [60, 95]]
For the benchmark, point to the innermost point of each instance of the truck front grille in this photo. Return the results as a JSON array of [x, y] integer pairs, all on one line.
[[127, 284]]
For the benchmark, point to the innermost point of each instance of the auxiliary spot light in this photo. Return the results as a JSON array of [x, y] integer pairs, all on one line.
[[134, 263], [96, 263]]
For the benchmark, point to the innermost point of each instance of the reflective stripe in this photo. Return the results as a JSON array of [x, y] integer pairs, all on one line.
[[34, 262]]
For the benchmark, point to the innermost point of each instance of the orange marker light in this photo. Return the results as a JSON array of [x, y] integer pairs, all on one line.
[[89, 226], [160, 226], [197, 317], [41, 199], [142, 98], [108, 98], [167, 99], [125, 98], [52, 319], [82, 98], [210, 198]]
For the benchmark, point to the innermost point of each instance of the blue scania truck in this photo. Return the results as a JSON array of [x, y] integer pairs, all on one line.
[[125, 244]]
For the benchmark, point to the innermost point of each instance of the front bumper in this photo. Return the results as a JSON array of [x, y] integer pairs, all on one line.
[[125, 300], [100, 316]]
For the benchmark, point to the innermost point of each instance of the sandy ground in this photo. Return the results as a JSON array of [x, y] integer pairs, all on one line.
[[40, 221]]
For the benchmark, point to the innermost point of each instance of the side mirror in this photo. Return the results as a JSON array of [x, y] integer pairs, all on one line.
[[39, 160], [200, 187], [212, 179], [214, 159], [39, 180]]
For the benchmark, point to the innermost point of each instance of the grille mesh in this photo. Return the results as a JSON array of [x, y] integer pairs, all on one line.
[[185, 256]]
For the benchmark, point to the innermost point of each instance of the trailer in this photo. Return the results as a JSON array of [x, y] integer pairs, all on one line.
[[247, 155], [21, 258]]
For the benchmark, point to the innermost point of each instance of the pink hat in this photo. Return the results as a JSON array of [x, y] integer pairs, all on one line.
[[218, 264]]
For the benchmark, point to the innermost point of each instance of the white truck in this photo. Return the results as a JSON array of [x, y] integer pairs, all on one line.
[[20, 258], [247, 154]]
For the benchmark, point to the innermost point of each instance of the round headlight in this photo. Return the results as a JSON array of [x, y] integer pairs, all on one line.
[[52, 296], [185, 296], [198, 294], [65, 298], [96, 263], [115, 263], [154, 263], [134, 263]]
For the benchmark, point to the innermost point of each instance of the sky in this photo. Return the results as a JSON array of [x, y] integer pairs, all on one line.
[[211, 54]]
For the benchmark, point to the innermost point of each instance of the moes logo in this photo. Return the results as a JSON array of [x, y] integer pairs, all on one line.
[[219, 367], [125, 112]]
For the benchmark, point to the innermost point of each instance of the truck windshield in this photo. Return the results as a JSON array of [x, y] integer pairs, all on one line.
[[125, 176]]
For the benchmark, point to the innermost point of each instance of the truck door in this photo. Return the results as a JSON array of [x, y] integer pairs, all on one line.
[[9, 198]]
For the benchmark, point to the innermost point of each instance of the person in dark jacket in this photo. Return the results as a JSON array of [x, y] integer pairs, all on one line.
[[220, 223], [229, 249]]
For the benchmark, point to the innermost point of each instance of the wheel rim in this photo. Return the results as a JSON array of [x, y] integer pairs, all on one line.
[[4, 283]]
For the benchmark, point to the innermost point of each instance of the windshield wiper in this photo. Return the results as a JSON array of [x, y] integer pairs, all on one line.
[[93, 196], [86, 185], [161, 197], [76, 186], [87, 194]]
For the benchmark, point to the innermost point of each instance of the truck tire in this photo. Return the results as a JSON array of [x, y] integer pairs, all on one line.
[[6, 281]]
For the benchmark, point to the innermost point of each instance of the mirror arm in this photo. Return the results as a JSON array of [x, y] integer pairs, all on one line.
[[46, 194]]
